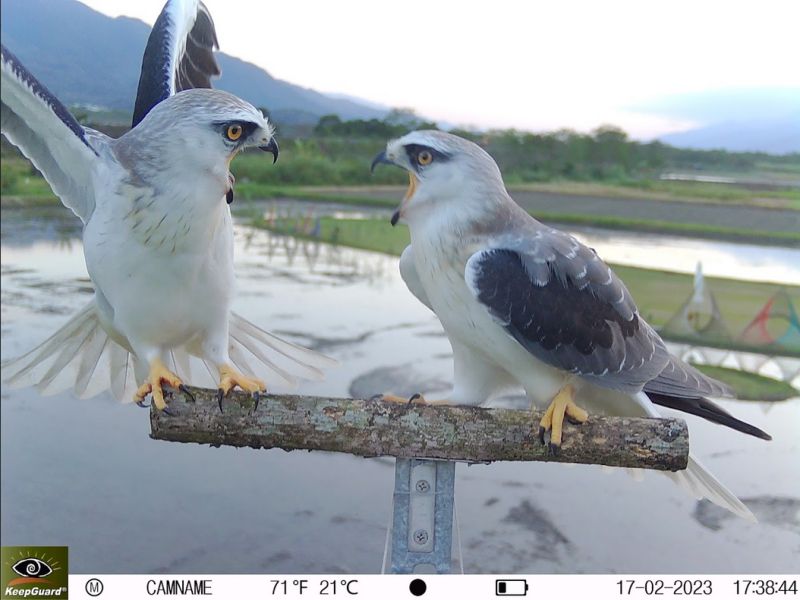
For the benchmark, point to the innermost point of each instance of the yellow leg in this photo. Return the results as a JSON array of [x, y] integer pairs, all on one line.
[[230, 378], [158, 373], [553, 419]]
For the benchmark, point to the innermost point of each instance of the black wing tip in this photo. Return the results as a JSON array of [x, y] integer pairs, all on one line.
[[751, 430], [202, 8], [706, 409], [9, 57], [157, 84]]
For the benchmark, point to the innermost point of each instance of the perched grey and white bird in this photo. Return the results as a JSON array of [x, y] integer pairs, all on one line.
[[527, 305], [158, 235]]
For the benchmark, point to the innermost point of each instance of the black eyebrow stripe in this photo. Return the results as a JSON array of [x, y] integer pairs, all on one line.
[[413, 151], [248, 127]]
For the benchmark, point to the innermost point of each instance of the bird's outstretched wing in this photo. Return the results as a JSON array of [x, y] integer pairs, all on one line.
[[36, 122], [567, 307], [179, 55]]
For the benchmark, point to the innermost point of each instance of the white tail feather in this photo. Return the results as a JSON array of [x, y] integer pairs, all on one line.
[[46, 361], [240, 361], [308, 361], [123, 380], [83, 357], [90, 360], [696, 479], [699, 482]]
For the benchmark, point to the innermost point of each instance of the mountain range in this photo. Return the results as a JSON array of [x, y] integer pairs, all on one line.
[[763, 119], [87, 58]]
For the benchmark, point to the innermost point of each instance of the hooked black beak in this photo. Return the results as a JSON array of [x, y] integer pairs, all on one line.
[[381, 159], [271, 147], [412, 184]]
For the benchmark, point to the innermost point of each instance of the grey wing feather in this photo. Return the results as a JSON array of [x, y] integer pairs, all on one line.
[[179, 55], [566, 307], [408, 271], [682, 380], [43, 129]]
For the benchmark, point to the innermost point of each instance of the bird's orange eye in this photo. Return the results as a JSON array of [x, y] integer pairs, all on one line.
[[234, 132], [424, 158]]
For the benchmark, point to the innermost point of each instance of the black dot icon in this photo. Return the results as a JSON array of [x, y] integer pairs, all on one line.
[[417, 587]]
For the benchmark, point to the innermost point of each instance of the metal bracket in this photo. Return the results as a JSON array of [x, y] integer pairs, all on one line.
[[422, 517]]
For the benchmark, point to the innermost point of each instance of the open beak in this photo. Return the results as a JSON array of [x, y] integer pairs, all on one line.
[[229, 193], [271, 147], [412, 185]]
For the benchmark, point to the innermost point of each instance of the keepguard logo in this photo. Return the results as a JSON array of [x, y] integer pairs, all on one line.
[[34, 572]]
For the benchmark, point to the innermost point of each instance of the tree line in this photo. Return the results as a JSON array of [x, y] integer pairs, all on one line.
[[606, 153], [338, 152]]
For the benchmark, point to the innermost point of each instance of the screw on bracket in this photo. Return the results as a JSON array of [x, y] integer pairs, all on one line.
[[423, 486], [421, 537]]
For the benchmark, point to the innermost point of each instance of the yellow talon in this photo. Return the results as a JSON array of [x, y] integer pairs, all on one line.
[[158, 373], [576, 413], [547, 419], [230, 378], [553, 420]]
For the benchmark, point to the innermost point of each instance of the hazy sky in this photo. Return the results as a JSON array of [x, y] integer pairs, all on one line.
[[530, 65]]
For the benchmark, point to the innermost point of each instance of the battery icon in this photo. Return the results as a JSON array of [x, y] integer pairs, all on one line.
[[511, 587]]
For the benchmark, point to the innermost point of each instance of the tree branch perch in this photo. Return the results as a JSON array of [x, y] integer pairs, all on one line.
[[375, 428]]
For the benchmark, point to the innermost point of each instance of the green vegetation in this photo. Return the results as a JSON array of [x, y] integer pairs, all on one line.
[[651, 225], [529, 161], [712, 192], [658, 189], [750, 386], [249, 190], [604, 162], [386, 197], [657, 293], [22, 186], [367, 234], [19, 178]]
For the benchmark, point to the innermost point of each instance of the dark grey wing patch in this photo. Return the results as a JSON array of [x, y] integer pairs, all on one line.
[[41, 92], [568, 309], [172, 65]]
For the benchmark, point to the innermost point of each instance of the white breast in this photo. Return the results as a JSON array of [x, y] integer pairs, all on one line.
[[164, 263]]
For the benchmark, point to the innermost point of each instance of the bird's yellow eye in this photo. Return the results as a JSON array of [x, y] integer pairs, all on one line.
[[424, 158], [234, 132]]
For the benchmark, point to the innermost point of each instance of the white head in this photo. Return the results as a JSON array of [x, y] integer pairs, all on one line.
[[196, 133], [445, 172]]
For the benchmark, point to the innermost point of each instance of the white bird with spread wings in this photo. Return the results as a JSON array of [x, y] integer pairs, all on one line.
[[158, 234]]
